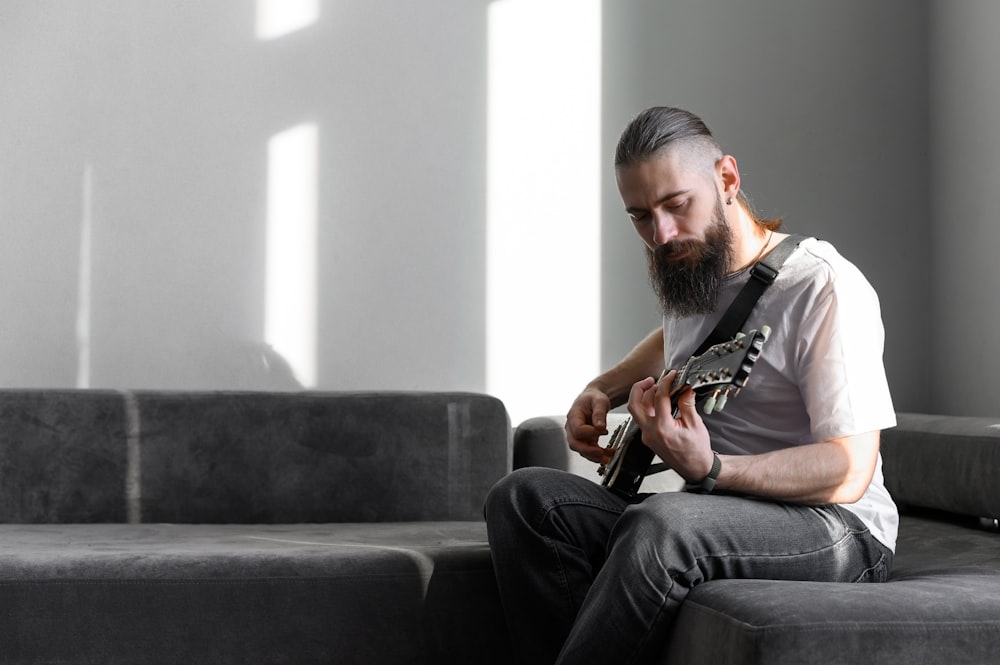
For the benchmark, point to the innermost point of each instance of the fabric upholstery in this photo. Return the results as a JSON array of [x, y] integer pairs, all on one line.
[[346, 527], [308, 527], [354, 457], [245, 457], [941, 606], [944, 462], [218, 594], [63, 456]]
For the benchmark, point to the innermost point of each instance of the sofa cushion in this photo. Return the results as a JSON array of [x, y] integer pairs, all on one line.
[[219, 594], [944, 462], [940, 606]]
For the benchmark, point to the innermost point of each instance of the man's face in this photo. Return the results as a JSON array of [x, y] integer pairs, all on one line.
[[678, 214]]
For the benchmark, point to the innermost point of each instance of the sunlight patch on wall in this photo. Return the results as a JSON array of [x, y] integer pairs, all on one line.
[[292, 202], [543, 274], [84, 281], [277, 18]]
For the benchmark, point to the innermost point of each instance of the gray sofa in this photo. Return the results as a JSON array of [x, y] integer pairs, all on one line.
[[219, 528], [941, 605], [156, 527]]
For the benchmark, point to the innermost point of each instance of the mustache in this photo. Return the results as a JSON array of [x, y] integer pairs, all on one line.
[[691, 252]]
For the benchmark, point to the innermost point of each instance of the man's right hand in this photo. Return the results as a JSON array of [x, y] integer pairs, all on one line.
[[586, 422]]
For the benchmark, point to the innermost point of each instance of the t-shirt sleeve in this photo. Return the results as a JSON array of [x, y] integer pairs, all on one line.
[[839, 359]]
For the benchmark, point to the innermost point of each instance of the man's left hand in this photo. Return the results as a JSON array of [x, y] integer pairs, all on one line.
[[683, 443]]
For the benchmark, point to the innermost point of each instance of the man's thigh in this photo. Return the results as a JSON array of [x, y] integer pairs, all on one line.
[[702, 537]]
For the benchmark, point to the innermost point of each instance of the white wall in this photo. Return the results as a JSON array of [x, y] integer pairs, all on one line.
[[170, 106], [834, 110]]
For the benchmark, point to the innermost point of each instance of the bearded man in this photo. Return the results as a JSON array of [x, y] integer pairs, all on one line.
[[587, 576]]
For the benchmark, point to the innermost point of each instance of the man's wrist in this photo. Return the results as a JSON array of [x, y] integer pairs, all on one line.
[[707, 484], [615, 397]]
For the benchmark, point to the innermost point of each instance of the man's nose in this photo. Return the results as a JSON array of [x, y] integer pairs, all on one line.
[[664, 229]]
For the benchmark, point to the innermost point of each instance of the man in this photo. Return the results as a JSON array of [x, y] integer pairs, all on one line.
[[588, 577]]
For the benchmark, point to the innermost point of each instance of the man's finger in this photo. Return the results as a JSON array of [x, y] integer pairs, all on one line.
[[637, 405], [592, 452], [686, 405]]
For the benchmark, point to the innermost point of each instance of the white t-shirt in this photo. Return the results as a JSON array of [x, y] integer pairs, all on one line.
[[820, 374]]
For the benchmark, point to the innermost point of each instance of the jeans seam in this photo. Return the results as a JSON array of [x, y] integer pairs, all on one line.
[[871, 572], [563, 582], [554, 503], [829, 546], [543, 516]]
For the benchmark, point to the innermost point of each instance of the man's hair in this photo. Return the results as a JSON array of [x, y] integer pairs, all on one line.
[[660, 128]]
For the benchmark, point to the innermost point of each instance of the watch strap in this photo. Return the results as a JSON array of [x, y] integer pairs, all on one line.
[[707, 484]]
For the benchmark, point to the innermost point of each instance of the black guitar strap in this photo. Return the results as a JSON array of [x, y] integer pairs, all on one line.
[[762, 275]]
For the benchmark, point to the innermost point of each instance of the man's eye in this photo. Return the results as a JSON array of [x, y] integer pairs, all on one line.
[[679, 205], [638, 217]]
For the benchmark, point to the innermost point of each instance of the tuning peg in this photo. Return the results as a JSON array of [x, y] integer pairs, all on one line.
[[740, 335], [720, 403], [709, 405], [765, 331]]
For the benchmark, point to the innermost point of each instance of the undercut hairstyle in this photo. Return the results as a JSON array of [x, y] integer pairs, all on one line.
[[660, 128]]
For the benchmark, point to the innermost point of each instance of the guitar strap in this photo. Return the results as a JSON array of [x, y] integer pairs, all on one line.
[[762, 275]]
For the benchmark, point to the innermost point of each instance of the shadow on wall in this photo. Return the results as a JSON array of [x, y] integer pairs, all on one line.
[[246, 366]]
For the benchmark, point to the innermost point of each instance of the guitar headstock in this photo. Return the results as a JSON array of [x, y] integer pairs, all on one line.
[[722, 370]]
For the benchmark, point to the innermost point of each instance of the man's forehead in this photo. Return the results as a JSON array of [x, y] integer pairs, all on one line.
[[665, 168]]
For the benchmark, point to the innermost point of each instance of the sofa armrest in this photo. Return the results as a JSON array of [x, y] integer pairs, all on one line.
[[944, 463]]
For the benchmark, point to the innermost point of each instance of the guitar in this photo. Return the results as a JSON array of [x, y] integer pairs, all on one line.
[[715, 376]]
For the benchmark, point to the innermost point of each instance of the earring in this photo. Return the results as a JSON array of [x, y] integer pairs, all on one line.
[[729, 201]]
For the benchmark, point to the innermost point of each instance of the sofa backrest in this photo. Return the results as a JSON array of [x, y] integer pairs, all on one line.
[[248, 457], [944, 463]]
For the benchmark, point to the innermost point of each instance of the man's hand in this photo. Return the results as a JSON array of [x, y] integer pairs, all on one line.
[[683, 442], [587, 421]]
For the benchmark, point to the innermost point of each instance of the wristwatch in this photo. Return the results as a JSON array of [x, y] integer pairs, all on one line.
[[706, 484]]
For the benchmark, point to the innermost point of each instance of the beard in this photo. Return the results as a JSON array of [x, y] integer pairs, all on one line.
[[686, 275]]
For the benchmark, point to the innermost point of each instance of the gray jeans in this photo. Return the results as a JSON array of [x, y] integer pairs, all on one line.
[[586, 577]]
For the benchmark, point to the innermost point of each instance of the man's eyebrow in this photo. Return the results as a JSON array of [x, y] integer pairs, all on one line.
[[661, 200]]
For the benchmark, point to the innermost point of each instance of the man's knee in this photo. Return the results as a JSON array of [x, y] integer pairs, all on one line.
[[531, 493], [518, 490]]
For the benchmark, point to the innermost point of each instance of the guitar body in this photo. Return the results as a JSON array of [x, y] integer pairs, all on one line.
[[632, 459], [719, 373]]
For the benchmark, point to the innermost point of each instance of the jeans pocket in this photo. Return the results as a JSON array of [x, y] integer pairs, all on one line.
[[877, 573]]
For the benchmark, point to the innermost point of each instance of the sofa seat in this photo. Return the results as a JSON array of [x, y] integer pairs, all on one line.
[[940, 605], [307, 593]]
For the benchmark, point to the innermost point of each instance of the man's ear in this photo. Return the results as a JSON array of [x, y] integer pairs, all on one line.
[[728, 174]]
